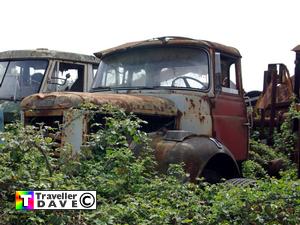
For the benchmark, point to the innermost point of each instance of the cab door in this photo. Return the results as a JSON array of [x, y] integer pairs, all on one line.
[[230, 123], [66, 76]]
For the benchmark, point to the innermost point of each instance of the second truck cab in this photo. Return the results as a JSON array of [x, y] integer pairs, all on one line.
[[26, 72]]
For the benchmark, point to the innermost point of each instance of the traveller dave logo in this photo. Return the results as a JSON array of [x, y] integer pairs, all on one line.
[[32, 200], [24, 200]]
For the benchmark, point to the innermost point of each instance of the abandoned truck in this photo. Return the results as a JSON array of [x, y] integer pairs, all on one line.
[[25, 72], [191, 89]]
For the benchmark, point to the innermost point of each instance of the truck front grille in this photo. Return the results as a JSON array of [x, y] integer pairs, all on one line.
[[52, 122]]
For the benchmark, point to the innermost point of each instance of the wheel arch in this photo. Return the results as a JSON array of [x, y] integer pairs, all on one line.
[[198, 153], [223, 165]]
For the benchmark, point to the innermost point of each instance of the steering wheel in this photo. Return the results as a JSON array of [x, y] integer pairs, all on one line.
[[185, 78]]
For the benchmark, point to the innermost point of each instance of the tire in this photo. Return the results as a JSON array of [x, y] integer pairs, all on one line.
[[241, 182]]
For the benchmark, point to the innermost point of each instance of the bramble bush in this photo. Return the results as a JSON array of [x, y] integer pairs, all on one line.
[[259, 157], [285, 140], [261, 154], [129, 189]]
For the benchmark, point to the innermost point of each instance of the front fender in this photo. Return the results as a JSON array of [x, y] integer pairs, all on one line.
[[196, 152]]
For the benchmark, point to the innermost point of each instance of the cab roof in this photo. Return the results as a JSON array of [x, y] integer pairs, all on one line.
[[296, 49], [170, 41], [48, 54]]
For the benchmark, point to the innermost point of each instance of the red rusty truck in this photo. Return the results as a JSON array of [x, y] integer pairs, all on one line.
[[189, 91]]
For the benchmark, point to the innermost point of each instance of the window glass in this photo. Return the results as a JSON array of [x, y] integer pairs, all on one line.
[[170, 67], [66, 77], [232, 73], [228, 78], [21, 78]]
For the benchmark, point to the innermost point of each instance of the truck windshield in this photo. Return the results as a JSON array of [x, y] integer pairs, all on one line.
[[165, 67], [21, 78]]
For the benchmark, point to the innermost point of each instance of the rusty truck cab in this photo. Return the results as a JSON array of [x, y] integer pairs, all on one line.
[[189, 89], [26, 72]]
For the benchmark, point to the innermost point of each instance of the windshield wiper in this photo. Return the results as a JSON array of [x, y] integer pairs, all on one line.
[[134, 87], [94, 89], [125, 88]]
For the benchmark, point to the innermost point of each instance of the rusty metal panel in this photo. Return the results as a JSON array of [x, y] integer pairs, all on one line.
[[279, 84], [148, 105], [74, 129], [275, 98], [195, 113], [230, 124], [195, 152], [192, 112], [162, 41], [48, 54]]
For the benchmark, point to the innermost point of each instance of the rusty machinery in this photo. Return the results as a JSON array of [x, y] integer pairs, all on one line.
[[278, 91]]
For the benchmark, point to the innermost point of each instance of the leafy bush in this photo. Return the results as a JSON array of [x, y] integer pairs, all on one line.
[[254, 170], [129, 190], [261, 155], [285, 140]]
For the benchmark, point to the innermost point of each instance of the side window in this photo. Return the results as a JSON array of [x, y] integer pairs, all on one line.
[[229, 75], [232, 73], [67, 77], [95, 68]]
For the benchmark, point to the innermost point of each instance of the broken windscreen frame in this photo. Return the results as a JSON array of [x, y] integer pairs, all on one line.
[[3, 67], [159, 67]]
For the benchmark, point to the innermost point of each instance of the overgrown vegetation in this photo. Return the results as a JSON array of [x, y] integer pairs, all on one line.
[[285, 140], [261, 155], [129, 190]]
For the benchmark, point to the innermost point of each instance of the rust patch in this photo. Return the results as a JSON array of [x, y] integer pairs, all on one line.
[[201, 118], [85, 130], [192, 103], [181, 41], [48, 54], [278, 85], [162, 149], [148, 105], [205, 98]]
